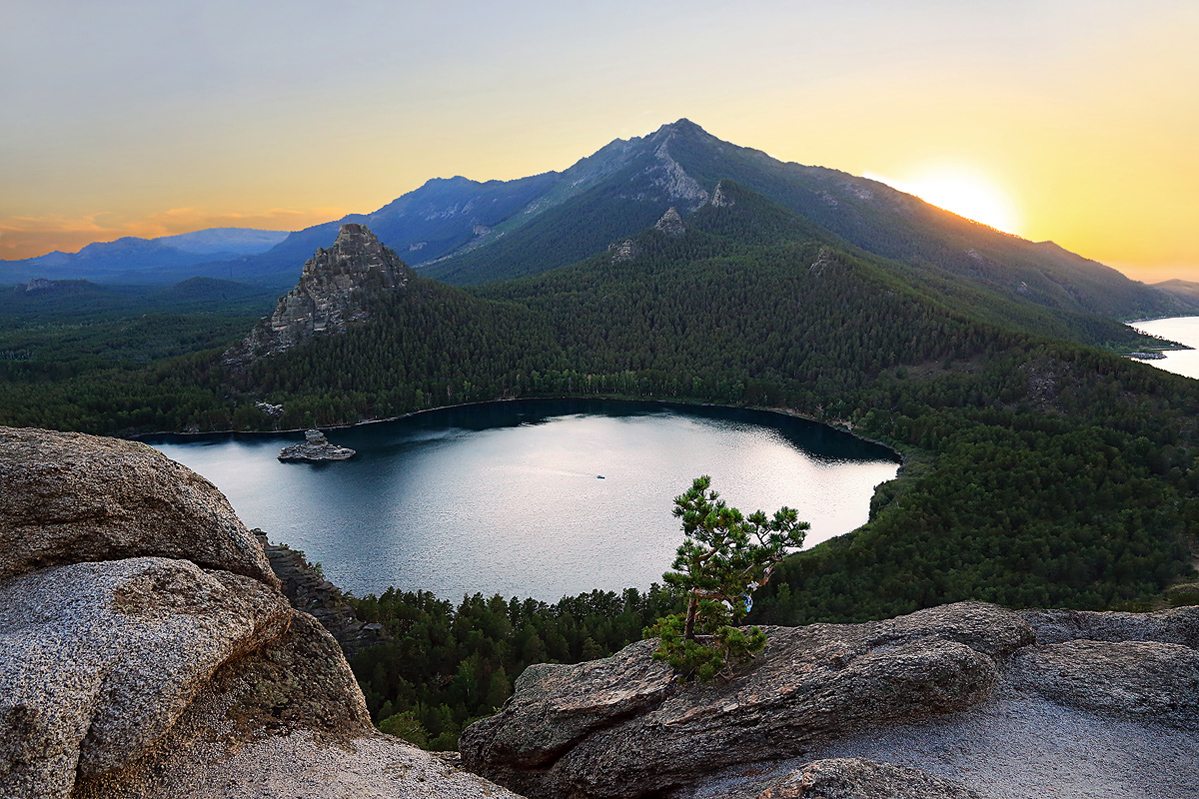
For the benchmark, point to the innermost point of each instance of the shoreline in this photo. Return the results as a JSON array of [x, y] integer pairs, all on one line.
[[840, 427]]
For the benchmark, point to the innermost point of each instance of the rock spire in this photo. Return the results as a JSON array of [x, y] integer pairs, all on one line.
[[335, 289]]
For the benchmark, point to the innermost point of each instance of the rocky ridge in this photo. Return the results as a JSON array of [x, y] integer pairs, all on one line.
[[622, 728], [147, 651], [308, 590], [335, 289]]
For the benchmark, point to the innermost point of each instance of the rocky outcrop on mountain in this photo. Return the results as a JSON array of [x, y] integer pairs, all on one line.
[[308, 590], [856, 778], [720, 198], [315, 447], [622, 727], [626, 250], [671, 224], [129, 668], [67, 498], [335, 289], [670, 176]]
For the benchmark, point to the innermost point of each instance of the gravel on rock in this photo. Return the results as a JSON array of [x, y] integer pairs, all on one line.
[[1015, 745]]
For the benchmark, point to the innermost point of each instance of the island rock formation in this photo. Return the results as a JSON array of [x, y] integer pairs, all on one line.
[[147, 651], [315, 447], [336, 288]]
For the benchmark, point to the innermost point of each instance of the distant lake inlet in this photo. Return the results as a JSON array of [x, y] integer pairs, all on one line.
[[508, 498], [1184, 330]]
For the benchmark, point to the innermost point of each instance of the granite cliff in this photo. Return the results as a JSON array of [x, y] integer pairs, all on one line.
[[336, 289], [146, 649], [806, 717]]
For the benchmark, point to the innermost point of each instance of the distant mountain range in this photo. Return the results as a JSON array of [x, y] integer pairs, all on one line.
[[130, 260], [464, 232]]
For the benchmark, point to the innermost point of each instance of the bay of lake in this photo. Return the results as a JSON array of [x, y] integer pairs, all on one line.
[[539, 499], [1182, 329]]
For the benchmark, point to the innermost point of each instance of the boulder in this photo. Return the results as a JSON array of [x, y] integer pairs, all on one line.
[[127, 670], [1141, 679], [69, 497], [97, 660], [1174, 626], [855, 778], [623, 728], [287, 720]]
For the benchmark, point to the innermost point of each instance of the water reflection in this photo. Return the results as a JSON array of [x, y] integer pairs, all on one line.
[[506, 497]]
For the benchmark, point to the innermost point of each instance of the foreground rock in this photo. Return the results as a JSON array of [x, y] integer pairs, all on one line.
[[67, 498], [140, 673], [855, 778], [315, 448], [101, 658], [622, 728], [285, 721], [1141, 679], [1175, 626]]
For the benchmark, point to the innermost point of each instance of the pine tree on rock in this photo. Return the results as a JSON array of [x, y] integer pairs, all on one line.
[[723, 559]]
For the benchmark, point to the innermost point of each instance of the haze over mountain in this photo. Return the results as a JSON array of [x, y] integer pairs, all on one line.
[[466, 232], [131, 260]]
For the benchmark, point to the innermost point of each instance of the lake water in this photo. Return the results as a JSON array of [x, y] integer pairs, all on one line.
[[508, 498], [1184, 330]]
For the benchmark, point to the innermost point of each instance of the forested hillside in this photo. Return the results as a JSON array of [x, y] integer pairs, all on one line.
[[680, 165], [1040, 471]]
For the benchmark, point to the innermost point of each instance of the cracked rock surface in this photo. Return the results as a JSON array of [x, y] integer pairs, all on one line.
[[69, 497], [101, 658], [621, 728]]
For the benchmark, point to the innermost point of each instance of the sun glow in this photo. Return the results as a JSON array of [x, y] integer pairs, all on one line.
[[964, 192]]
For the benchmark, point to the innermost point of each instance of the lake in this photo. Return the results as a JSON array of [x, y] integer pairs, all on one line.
[[532, 498], [1184, 330]]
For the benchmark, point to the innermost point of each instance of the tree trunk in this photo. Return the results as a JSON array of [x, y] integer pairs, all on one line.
[[692, 611]]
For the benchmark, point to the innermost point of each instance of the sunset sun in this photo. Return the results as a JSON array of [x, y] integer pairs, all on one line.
[[963, 191]]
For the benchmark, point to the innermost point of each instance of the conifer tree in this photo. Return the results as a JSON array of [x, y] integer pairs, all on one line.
[[723, 559]]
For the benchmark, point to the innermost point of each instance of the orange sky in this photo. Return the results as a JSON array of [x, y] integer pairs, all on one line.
[[148, 119]]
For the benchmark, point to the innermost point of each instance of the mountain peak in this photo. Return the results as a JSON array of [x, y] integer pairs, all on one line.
[[335, 289], [683, 125], [671, 224]]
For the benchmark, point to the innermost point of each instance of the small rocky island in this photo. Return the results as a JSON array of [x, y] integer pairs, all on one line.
[[315, 448]]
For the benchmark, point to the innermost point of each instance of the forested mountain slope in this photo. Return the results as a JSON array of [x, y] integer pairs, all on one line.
[[1045, 472], [1040, 471], [680, 164]]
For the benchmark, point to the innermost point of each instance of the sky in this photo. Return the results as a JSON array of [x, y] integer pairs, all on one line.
[[1069, 120]]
